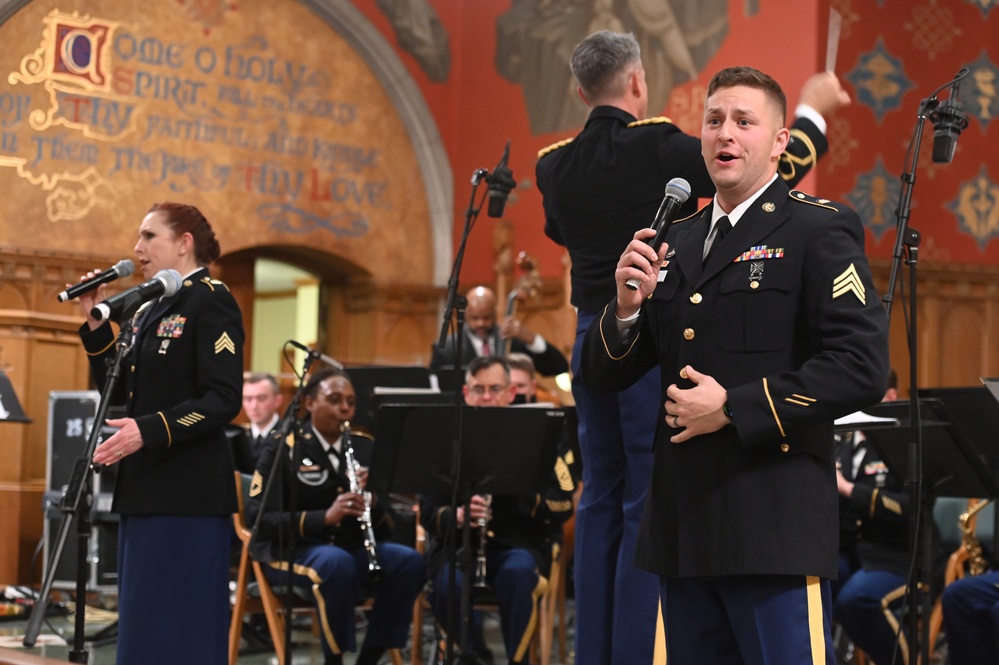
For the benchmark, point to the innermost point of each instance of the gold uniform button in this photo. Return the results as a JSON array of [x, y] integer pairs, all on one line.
[[683, 373], [784, 447], [688, 334], [754, 284], [696, 298]]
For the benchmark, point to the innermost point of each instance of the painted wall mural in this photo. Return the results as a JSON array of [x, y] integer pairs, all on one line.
[[535, 39], [279, 140], [894, 55]]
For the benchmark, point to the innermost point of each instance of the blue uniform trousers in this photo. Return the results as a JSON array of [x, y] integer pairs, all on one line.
[[859, 608], [748, 620], [173, 590], [335, 578], [616, 603], [971, 619], [513, 575]]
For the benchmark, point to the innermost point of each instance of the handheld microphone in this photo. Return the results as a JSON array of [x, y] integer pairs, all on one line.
[[123, 268], [677, 192], [123, 305], [501, 182], [949, 119], [315, 353]]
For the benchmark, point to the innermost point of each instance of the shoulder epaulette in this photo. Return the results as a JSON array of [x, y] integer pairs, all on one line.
[[212, 283], [553, 147], [677, 221], [808, 198], [657, 120]]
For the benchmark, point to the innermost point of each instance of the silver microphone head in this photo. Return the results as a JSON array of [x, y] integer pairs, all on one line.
[[170, 279], [679, 189], [124, 268]]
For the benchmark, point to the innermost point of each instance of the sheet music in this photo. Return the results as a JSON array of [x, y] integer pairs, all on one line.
[[993, 386], [859, 419]]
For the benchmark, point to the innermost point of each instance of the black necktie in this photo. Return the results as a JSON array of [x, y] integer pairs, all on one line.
[[722, 227], [337, 458]]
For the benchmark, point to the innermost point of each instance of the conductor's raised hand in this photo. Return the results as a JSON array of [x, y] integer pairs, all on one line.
[[638, 262]]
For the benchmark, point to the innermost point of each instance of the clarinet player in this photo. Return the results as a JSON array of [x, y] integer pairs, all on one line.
[[328, 549]]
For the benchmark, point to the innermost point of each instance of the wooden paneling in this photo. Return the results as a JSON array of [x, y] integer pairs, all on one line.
[[957, 323]]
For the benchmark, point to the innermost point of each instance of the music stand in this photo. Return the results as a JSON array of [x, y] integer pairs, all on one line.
[[504, 450], [952, 466], [974, 416], [366, 379], [993, 387]]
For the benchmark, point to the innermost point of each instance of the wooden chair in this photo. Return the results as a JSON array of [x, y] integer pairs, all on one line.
[[266, 599], [559, 584], [543, 632]]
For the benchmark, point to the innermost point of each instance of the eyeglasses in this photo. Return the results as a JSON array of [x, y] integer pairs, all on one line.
[[494, 389]]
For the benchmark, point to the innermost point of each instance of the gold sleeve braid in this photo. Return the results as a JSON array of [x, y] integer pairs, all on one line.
[[788, 163]]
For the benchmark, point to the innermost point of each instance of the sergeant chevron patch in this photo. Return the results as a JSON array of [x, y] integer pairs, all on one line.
[[225, 343], [849, 282]]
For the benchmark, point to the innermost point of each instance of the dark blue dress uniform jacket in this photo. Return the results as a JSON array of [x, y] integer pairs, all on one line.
[[786, 318], [182, 381], [618, 158]]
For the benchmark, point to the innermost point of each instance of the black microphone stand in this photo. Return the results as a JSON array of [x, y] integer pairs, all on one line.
[[456, 303], [289, 424], [77, 502], [921, 526]]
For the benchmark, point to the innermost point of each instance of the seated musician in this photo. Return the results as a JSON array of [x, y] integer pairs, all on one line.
[[520, 529], [323, 531], [875, 514], [971, 619], [485, 335]]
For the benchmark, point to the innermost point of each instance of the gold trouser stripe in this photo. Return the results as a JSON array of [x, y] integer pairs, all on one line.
[[659, 648], [890, 598], [773, 409], [816, 627], [525, 639], [316, 580]]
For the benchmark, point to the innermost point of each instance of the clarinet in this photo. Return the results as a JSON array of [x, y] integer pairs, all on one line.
[[374, 569], [480, 556]]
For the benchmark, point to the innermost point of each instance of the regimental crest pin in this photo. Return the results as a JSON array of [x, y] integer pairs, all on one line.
[[769, 207]]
